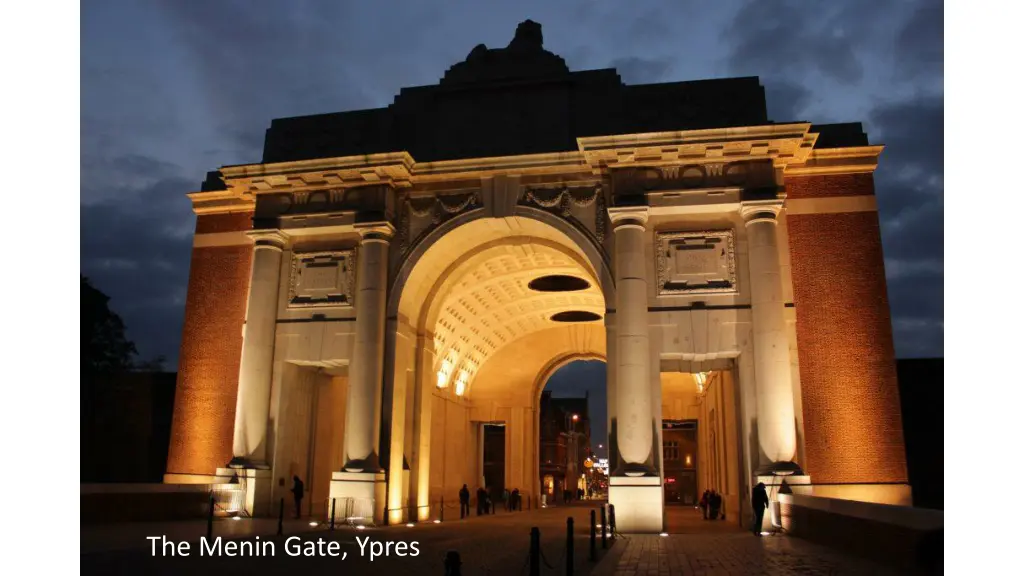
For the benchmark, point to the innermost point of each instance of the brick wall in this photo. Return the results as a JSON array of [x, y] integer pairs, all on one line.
[[852, 426], [211, 348]]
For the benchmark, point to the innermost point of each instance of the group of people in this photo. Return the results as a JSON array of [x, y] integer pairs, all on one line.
[[568, 495], [484, 503], [711, 505]]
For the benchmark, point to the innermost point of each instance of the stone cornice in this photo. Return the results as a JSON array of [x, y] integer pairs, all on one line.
[[851, 160], [790, 147], [783, 143]]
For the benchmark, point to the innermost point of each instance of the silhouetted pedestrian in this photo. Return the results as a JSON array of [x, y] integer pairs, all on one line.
[[481, 496], [715, 504], [515, 500], [298, 491], [704, 501], [759, 500], [463, 502], [506, 497]]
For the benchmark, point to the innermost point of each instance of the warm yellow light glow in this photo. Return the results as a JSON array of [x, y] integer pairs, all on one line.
[[575, 417], [410, 524], [701, 378], [437, 521], [314, 524], [688, 460], [442, 379], [460, 383], [663, 534], [360, 527], [237, 518]]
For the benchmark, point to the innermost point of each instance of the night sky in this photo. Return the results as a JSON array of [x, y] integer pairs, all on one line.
[[173, 89]]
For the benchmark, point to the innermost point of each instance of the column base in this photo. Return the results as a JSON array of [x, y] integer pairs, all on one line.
[[779, 469], [639, 504], [239, 462], [358, 497], [244, 491]]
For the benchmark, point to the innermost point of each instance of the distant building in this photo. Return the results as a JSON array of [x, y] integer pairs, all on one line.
[[564, 444], [679, 451]]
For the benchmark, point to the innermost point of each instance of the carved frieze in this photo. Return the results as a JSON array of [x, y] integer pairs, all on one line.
[[376, 199], [748, 174], [562, 199], [322, 279], [696, 262], [434, 210]]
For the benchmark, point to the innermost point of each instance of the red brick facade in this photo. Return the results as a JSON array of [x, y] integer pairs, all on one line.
[[211, 348], [852, 425], [232, 222]]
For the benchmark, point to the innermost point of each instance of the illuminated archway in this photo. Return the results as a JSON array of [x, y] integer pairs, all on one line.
[[471, 335]]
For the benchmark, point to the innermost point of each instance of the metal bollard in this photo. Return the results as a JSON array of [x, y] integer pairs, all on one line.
[[570, 550], [593, 535], [452, 564], [209, 519], [611, 519], [534, 551], [604, 528], [280, 518], [333, 502]]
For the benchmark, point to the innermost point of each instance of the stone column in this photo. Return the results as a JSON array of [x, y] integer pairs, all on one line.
[[634, 416], [776, 421], [253, 401], [366, 373]]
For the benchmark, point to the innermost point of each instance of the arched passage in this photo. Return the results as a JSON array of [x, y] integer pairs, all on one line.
[[573, 425], [470, 335]]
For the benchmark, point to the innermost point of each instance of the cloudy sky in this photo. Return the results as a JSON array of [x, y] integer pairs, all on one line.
[[172, 89]]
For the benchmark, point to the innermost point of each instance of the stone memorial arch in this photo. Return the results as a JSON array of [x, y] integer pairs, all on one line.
[[385, 282]]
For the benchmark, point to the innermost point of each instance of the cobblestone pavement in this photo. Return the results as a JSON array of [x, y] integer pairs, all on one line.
[[730, 554]]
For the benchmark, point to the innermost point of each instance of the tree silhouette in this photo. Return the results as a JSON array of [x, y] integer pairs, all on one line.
[[105, 349]]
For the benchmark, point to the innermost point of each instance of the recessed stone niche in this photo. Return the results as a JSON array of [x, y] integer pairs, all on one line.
[[575, 316], [558, 283]]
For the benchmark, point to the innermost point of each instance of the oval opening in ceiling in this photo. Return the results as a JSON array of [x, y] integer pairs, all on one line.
[[575, 316], [558, 283]]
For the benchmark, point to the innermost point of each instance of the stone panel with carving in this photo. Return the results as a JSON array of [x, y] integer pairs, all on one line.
[[322, 279], [696, 262]]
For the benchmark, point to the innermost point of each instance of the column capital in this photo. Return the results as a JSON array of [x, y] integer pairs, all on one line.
[[270, 239], [629, 216], [375, 232], [760, 211]]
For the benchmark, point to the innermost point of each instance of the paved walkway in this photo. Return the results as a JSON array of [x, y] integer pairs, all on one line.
[[730, 554], [488, 545]]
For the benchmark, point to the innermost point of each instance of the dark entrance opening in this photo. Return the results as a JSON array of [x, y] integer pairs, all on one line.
[[494, 459]]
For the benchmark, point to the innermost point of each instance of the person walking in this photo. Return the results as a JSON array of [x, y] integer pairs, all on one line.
[[759, 500], [714, 502], [515, 500], [463, 502], [481, 496], [298, 491], [704, 505]]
